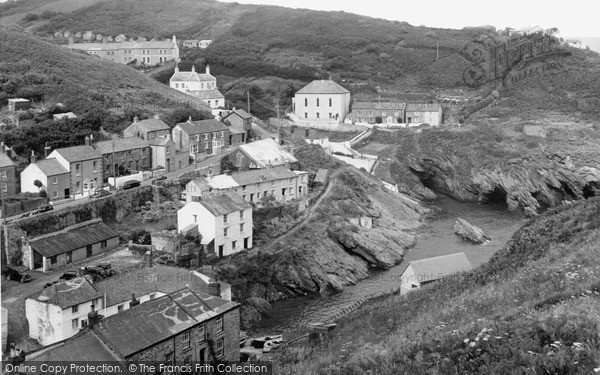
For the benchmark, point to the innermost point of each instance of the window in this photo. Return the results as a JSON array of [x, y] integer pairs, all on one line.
[[119, 308], [283, 191], [258, 195], [186, 340], [233, 243], [306, 102], [330, 102], [318, 115], [55, 194], [272, 183], [95, 165], [197, 137], [241, 215], [244, 197], [55, 182], [74, 309], [69, 257], [225, 232], [305, 115], [291, 191], [195, 218], [220, 347], [187, 359], [53, 260], [77, 171], [225, 218], [169, 358], [75, 323], [205, 137], [177, 85], [202, 333], [317, 102], [103, 244], [84, 323], [241, 227], [219, 325], [244, 188]]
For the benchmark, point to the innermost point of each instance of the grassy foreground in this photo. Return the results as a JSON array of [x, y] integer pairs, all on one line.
[[533, 308]]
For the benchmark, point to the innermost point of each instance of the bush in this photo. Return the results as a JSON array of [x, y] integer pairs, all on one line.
[[30, 17]]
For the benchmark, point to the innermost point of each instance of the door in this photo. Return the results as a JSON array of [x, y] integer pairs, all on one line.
[[168, 166], [88, 251], [202, 356], [220, 251], [67, 193], [246, 242]]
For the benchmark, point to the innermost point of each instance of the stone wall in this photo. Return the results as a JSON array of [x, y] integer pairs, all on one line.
[[166, 241], [111, 209]]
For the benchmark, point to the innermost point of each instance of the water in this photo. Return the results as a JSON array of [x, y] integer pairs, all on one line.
[[436, 237]]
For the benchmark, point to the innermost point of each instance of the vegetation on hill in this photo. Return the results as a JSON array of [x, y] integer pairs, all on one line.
[[533, 308]]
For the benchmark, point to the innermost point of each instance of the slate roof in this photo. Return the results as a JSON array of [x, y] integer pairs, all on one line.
[[321, 176], [430, 269], [206, 94], [240, 112], [151, 124], [224, 204], [68, 293], [120, 144], [323, 87], [262, 175], [64, 241], [159, 141], [222, 181], [236, 129], [421, 107], [78, 153], [191, 77], [85, 346], [262, 133], [168, 44], [5, 161], [379, 105], [267, 152], [154, 321], [51, 167], [202, 126]]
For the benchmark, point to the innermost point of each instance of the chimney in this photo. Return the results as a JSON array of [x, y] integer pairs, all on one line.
[[33, 158], [157, 117], [2, 148], [91, 139], [174, 40], [214, 288], [176, 68], [193, 68], [47, 150], [136, 119], [133, 302], [93, 317], [190, 120], [207, 69], [87, 141], [233, 109]]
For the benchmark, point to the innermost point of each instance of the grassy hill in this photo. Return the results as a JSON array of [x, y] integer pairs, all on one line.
[[32, 68], [532, 309]]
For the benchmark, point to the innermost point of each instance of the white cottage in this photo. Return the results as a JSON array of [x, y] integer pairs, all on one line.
[[321, 100]]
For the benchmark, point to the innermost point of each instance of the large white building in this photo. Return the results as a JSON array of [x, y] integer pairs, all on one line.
[[321, 100], [224, 221], [200, 85]]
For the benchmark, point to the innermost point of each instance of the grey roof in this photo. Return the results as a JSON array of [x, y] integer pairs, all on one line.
[[72, 238], [262, 175], [84, 346], [379, 105], [154, 321], [5, 161], [423, 106], [123, 45], [51, 167], [159, 141], [206, 94], [430, 269], [192, 77], [225, 203], [241, 113], [120, 144], [321, 175], [202, 126], [78, 153], [151, 124], [68, 293], [323, 87]]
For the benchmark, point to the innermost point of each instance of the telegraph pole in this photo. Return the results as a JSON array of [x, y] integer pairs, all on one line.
[[437, 50], [4, 229], [278, 121], [248, 93]]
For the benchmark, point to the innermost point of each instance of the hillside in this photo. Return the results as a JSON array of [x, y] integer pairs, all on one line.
[[33, 68], [532, 309]]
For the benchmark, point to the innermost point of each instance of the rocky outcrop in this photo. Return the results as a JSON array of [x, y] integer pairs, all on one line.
[[470, 232]]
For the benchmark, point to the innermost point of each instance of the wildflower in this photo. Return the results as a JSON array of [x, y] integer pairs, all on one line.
[[466, 341], [473, 344], [486, 338]]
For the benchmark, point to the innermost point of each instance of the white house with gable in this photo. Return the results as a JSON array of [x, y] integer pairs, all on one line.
[[200, 85], [321, 100], [224, 221]]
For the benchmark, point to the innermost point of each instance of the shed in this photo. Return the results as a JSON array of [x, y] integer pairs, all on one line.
[[18, 104], [321, 176], [425, 271]]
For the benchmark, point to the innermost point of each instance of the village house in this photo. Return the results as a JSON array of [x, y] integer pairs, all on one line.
[[124, 156], [200, 85], [261, 154], [321, 100], [190, 43], [70, 245], [54, 177], [138, 52], [62, 116], [224, 221], [240, 119], [374, 112], [61, 310], [254, 185], [423, 113], [166, 155], [7, 173], [120, 38], [147, 129], [425, 271], [207, 329], [18, 104], [204, 43], [201, 137], [84, 164], [88, 36]]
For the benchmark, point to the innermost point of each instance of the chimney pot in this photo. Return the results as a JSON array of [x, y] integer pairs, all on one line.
[[190, 119], [33, 158], [87, 141], [136, 119], [193, 68], [134, 302]]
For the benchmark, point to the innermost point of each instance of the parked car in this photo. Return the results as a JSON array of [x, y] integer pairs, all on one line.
[[69, 275], [107, 267], [44, 208], [12, 274], [130, 184], [158, 179], [99, 194]]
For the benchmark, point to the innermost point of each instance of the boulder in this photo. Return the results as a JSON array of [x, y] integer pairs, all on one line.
[[469, 232], [261, 305]]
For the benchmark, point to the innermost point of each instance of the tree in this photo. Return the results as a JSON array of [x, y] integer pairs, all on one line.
[[183, 114], [378, 120], [38, 184]]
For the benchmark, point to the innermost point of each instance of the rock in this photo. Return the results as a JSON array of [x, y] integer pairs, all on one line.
[[469, 232], [261, 305]]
